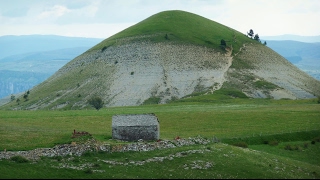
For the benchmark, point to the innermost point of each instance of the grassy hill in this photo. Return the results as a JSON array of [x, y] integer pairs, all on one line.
[[176, 57], [180, 27], [168, 56]]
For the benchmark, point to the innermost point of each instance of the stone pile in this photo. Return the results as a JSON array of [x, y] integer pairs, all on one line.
[[93, 145], [194, 165]]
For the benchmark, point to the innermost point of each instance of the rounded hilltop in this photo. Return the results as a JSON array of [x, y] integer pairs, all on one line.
[[179, 27], [170, 56]]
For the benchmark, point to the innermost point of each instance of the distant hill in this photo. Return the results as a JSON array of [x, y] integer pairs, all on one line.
[[13, 45], [43, 61], [306, 56], [170, 55], [308, 39], [28, 60]]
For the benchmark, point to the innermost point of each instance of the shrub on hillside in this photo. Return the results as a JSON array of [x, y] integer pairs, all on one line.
[[19, 159], [96, 102], [152, 100], [88, 171], [293, 147], [316, 139], [241, 144], [273, 143], [288, 147]]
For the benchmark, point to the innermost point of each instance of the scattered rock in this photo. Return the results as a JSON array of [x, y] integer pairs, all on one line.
[[93, 145]]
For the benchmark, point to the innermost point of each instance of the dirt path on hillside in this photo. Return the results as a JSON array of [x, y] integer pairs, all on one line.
[[229, 57]]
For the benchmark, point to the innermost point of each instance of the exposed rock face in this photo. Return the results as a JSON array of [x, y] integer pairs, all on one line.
[[128, 74], [271, 67], [163, 70], [138, 71]]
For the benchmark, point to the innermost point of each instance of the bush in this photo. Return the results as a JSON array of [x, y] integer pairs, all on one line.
[[223, 42], [19, 159], [104, 48], [88, 171], [58, 158], [273, 143], [96, 102], [241, 144], [292, 147], [316, 139], [87, 154], [96, 165], [288, 147], [152, 100], [76, 160]]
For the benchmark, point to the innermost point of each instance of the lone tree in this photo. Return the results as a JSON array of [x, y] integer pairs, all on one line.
[[12, 97], [18, 101], [250, 33], [25, 96], [257, 38], [223, 42], [96, 102]]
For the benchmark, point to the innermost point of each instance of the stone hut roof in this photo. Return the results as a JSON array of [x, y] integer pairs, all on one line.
[[135, 120]]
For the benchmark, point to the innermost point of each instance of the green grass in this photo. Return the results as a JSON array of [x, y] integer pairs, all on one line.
[[233, 117], [180, 27], [265, 85], [202, 161], [234, 121]]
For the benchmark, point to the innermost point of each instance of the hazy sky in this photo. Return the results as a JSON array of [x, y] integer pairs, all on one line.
[[103, 18]]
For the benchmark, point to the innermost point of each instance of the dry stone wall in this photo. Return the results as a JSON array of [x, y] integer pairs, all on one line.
[[95, 146]]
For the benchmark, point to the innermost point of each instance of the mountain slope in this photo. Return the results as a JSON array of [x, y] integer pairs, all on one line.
[[12, 45], [305, 56], [168, 56], [296, 51], [269, 75], [27, 60], [21, 72], [308, 39]]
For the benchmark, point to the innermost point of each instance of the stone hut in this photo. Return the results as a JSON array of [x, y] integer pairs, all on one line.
[[132, 127]]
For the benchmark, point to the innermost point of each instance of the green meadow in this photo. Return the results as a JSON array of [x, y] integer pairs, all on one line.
[[258, 138], [249, 138]]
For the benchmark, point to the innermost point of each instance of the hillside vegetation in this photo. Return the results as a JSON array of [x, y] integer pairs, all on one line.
[[180, 27], [166, 57]]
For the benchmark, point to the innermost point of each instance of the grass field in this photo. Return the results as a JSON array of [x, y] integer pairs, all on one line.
[[256, 122], [24, 130]]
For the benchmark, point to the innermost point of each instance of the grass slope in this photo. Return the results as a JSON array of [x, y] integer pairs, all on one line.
[[213, 161], [208, 117], [257, 122], [181, 27]]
